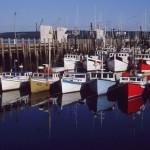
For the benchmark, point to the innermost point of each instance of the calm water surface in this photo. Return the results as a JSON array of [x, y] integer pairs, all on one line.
[[69, 122]]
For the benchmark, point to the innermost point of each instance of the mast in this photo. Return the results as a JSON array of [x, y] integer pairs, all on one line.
[[95, 16], [145, 20], [104, 38], [49, 57], [15, 36], [49, 118], [102, 67]]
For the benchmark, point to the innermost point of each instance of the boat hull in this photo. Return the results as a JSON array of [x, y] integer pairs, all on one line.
[[39, 86], [97, 86], [70, 87], [132, 105], [144, 68], [10, 84], [92, 64], [130, 90], [117, 65]]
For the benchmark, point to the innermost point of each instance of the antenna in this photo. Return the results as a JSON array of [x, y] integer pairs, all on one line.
[[36, 26], [95, 16], [145, 20], [15, 25], [41, 22], [77, 16]]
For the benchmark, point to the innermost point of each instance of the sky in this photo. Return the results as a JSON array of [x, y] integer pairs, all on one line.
[[123, 14]]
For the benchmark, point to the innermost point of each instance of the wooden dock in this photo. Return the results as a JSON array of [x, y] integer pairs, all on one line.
[[32, 53]]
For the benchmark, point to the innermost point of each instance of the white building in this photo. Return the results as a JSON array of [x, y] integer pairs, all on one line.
[[46, 33], [100, 34], [61, 34]]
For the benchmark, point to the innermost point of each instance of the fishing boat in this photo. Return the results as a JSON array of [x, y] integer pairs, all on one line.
[[143, 57], [143, 62], [131, 87], [144, 67], [99, 83], [92, 63], [118, 62], [39, 82], [11, 81], [70, 82], [70, 61]]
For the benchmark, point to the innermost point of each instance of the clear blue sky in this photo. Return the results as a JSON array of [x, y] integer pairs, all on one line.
[[127, 14]]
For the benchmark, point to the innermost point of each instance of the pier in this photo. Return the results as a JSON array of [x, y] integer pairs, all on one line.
[[31, 53]]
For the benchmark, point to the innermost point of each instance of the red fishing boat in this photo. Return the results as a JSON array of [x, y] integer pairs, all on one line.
[[130, 87], [130, 90], [144, 67]]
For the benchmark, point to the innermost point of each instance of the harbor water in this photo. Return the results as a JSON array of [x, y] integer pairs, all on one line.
[[70, 121]]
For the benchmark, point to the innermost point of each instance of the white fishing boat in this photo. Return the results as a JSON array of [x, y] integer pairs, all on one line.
[[10, 84], [92, 63], [118, 62], [72, 82], [99, 83], [70, 61], [11, 81]]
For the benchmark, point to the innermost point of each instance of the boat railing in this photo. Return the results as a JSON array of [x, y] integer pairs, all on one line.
[[12, 74], [7, 74], [72, 56], [43, 75], [102, 75], [80, 77], [38, 75], [123, 55], [142, 56], [55, 75], [137, 80]]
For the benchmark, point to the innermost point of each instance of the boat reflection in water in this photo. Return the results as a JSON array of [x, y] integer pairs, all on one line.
[[99, 104], [39, 98], [67, 99], [64, 122], [132, 105], [12, 99]]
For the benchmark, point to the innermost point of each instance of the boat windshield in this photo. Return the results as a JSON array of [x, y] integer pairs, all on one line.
[[79, 76]]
